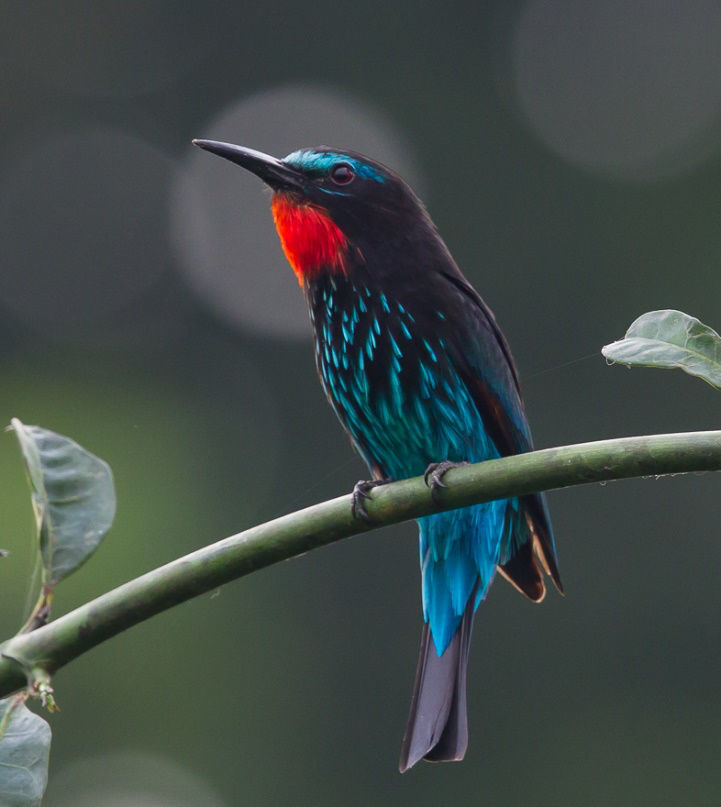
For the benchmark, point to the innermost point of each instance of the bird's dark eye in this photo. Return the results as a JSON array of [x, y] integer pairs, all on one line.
[[342, 174]]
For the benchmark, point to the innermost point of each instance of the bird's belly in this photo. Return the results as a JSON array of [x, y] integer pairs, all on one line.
[[399, 428]]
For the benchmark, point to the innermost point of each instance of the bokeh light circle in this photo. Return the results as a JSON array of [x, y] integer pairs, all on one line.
[[129, 779], [82, 217], [221, 224], [628, 88]]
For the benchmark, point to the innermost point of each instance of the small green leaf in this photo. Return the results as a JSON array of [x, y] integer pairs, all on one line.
[[671, 340], [24, 752], [73, 498]]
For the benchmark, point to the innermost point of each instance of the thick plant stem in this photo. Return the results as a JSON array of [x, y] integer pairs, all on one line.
[[50, 647]]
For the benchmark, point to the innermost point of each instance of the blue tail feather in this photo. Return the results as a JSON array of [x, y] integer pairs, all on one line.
[[459, 550]]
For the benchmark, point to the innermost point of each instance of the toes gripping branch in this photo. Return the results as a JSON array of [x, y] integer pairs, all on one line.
[[361, 491], [434, 474]]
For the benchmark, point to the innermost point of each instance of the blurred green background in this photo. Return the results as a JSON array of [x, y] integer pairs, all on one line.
[[569, 153]]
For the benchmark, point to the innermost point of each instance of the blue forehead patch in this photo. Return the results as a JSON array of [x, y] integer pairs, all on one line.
[[321, 162]]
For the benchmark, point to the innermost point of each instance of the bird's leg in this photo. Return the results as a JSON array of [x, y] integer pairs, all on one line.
[[433, 476], [361, 490]]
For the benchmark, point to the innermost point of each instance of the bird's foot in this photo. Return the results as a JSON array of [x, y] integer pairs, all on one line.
[[433, 476], [361, 491]]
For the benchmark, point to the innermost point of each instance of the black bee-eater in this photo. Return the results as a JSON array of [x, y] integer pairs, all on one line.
[[421, 377]]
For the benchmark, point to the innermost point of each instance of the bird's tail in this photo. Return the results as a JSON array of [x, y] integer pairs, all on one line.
[[437, 727]]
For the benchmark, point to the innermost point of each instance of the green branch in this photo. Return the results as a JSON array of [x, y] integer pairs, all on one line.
[[50, 647]]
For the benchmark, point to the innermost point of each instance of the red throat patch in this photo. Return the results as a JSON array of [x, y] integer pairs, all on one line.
[[311, 241]]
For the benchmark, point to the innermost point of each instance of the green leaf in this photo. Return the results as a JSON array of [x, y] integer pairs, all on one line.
[[73, 498], [671, 340], [24, 752]]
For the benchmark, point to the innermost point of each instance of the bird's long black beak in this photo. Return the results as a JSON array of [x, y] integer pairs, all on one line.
[[273, 172]]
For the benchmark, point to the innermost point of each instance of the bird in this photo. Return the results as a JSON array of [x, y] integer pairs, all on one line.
[[421, 377]]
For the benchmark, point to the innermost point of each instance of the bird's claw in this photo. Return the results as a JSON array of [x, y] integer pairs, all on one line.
[[361, 491], [433, 476]]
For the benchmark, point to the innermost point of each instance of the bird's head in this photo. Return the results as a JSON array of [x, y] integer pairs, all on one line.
[[331, 207]]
